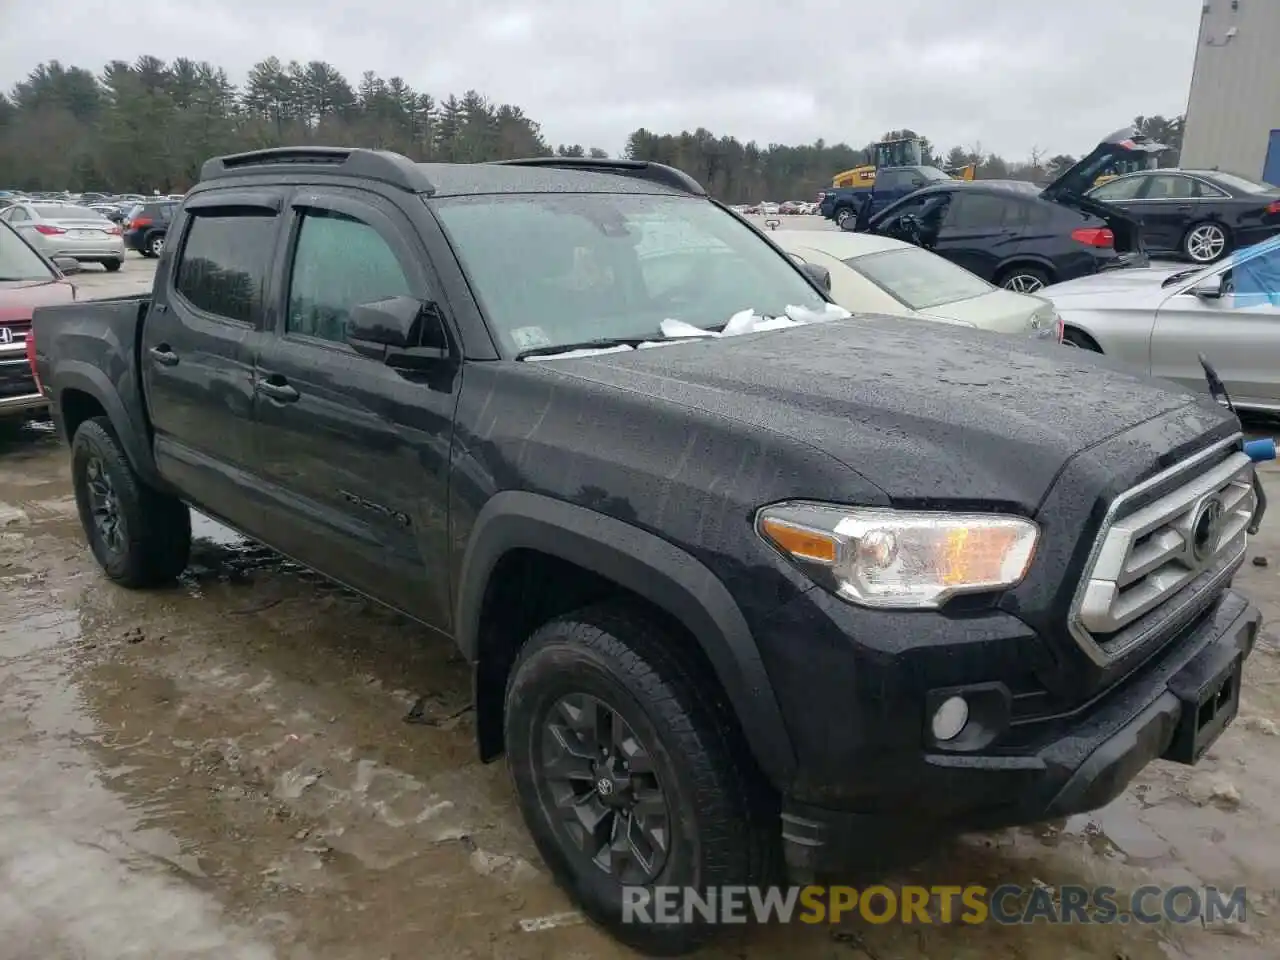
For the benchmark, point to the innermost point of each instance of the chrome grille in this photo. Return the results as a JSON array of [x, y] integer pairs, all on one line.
[[1156, 540]]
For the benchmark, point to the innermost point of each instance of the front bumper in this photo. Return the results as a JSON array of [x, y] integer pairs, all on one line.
[[1171, 709], [18, 393]]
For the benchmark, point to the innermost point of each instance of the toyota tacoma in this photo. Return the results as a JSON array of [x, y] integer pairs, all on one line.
[[745, 582]]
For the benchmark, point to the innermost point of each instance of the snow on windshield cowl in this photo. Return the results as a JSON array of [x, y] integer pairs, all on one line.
[[744, 321]]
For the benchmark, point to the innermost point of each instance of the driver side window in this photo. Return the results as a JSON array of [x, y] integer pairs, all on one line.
[[912, 206], [339, 264], [1254, 281]]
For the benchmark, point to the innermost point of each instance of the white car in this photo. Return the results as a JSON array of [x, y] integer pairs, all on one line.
[[872, 274]]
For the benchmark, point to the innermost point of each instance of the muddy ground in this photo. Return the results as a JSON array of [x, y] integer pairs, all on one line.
[[223, 769]]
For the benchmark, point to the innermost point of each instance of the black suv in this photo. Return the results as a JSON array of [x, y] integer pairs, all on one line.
[[146, 225], [1018, 235], [737, 574]]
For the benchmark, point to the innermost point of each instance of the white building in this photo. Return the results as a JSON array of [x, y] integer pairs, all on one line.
[[1233, 112]]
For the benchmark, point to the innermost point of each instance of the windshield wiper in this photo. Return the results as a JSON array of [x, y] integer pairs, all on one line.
[[1179, 277], [600, 343]]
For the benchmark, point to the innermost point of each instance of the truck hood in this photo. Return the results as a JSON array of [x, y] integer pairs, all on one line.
[[932, 414]]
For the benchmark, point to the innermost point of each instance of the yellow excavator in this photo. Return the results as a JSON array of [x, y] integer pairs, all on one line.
[[893, 153]]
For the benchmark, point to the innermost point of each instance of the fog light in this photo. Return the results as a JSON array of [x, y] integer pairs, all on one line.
[[950, 718]]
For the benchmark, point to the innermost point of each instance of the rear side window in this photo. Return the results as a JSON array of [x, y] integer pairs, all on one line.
[[224, 263]]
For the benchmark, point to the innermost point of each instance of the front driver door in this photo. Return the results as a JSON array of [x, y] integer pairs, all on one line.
[[1238, 332], [355, 453]]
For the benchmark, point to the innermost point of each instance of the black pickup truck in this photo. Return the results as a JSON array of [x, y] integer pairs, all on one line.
[[772, 580]]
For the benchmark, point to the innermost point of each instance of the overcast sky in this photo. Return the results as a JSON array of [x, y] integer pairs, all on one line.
[[1010, 74]]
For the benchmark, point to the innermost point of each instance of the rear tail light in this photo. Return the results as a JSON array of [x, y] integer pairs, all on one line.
[[113, 230], [31, 358], [139, 222], [1062, 328], [1274, 207], [49, 231], [1094, 236]]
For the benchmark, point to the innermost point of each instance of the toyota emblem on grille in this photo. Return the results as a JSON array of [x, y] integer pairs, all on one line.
[[1206, 529], [6, 335]]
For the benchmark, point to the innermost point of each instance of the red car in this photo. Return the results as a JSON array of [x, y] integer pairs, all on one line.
[[27, 281]]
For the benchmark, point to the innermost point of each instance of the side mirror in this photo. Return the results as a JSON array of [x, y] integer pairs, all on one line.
[[1210, 288], [67, 265], [401, 331], [818, 274]]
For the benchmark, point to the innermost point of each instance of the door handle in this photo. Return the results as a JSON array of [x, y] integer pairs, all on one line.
[[164, 356], [280, 392]]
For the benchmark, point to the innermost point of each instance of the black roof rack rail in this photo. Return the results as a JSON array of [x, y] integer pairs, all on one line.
[[640, 169], [381, 165]]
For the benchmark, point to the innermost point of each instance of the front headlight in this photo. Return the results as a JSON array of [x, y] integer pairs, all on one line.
[[899, 558]]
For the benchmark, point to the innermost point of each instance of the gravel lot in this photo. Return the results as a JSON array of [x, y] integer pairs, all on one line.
[[223, 770]]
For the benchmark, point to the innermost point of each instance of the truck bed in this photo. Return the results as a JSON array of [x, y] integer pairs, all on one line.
[[87, 360]]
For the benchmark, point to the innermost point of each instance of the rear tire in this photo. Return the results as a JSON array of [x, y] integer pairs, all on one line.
[[687, 760], [112, 265], [1206, 242], [1021, 279], [155, 245], [139, 536]]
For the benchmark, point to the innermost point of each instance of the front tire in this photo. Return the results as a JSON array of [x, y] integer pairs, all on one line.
[[628, 775], [843, 214], [1206, 242], [139, 536]]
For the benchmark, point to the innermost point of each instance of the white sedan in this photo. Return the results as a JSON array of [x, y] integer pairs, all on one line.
[[871, 274]]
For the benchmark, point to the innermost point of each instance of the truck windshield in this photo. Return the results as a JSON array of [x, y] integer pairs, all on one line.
[[17, 260], [552, 269]]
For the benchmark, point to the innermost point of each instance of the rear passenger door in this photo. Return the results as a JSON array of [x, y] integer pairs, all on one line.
[[198, 344], [355, 453]]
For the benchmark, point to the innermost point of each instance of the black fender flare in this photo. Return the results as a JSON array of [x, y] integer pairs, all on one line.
[[88, 379], [649, 566]]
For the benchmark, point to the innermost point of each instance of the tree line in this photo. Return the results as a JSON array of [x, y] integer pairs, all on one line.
[[150, 124]]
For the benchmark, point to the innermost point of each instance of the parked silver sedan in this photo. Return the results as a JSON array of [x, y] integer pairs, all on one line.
[[1162, 319], [68, 230]]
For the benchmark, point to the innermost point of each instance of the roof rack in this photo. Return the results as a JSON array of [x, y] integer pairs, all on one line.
[[640, 169], [381, 165]]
